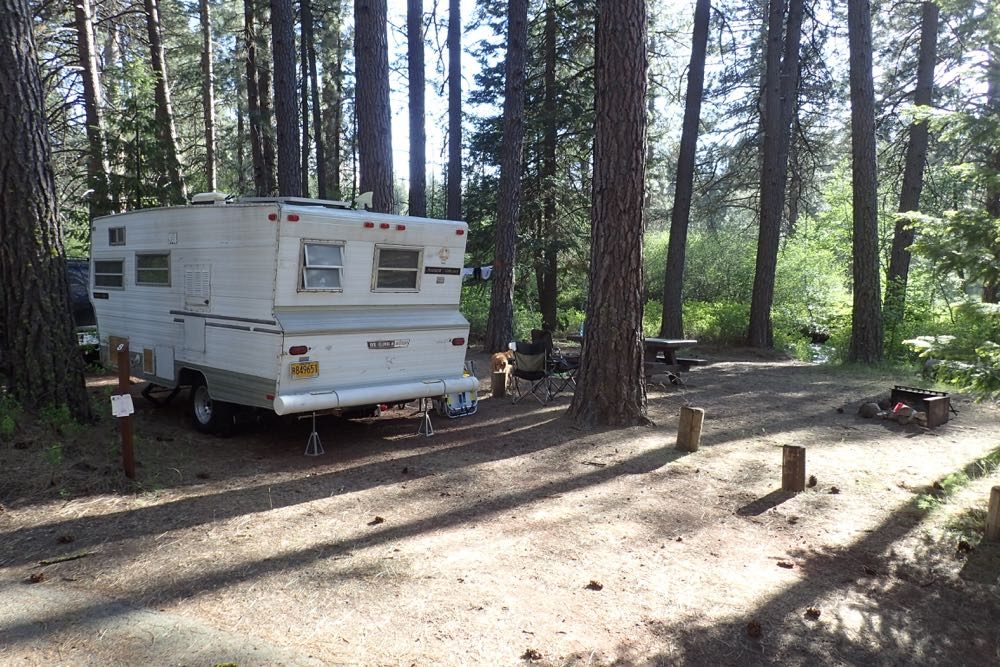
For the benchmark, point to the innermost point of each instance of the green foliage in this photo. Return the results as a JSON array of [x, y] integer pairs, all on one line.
[[476, 308], [10, 413], [722, 322], [946, 487], [969, 356], [58, 418], [965, 242]]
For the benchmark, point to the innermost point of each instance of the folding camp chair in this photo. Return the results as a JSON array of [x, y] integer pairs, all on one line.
[[562, 368], [529, 365]]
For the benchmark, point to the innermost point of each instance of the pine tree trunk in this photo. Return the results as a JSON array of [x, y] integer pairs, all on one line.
[[97, 164], [306, 147], [913, 172], [254, 119], [265, 98], [113, 153], [371, 52], [332, 44], [781, 86], [454, 201], [208, 95], [500, 323], [611, 389], [866, 320], [672, 324], [174, 191], [309, 39], [418, 133], [285, 111], [991, 290], [548, 285], [39, 360]]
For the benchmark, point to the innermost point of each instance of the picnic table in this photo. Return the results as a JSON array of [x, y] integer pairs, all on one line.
[[660, 354]]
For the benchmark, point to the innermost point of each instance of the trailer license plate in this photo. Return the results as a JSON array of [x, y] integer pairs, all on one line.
[[302, 370]]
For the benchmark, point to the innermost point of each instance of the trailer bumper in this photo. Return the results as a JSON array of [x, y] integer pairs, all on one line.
[[329, 399]]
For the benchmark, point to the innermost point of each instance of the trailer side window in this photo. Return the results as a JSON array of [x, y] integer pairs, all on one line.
[[109, 273], [322, 264], [116, 236], [397, 269], [152, 269]]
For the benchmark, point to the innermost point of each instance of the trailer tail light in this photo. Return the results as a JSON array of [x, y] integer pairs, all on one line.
[[293, 217], [272, 217], [459, 232], [400, 228], [457, 341], [384, 225], [369, 225], [269, 397], [297, 350]]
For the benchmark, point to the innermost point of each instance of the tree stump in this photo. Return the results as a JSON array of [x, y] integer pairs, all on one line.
[[993, 516], [793, 468], [498, 385], [689, 429]]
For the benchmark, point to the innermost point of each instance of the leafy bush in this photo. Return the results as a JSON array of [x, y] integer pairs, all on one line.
[[10, 412], [969, 356], [720, 322]]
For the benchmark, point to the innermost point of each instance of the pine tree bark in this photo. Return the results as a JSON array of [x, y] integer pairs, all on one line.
[[418, 132], [913, 172], [500, 323], [39, 360], [333, 94], [866, 319], [672, 324], [611, 389], [265, 96], [304, 136], [285, 97], [547, 262], [780, 91], [174, 190], [97, 163], [254, 117], [371, 52], [453, 204], [991, 289], [309, 40], [208, 95]]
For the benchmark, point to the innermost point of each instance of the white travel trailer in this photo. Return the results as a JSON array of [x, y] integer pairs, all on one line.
[[293, 305]]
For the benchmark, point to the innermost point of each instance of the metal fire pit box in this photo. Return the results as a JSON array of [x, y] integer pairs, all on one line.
[[936, 404]]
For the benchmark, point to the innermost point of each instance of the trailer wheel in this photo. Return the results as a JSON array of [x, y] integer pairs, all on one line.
[[208, 416]]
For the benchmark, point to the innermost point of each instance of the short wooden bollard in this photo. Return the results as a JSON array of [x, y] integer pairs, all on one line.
[[498, 385], [993, 516], [793, 468], [689, 429]]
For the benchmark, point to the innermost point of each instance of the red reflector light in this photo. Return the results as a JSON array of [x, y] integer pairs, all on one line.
[[296, 350], [401, 228], [458, 341], [293, 217], [384, 225], [459, 232], [272, 216], [269, 397], [369, 225]]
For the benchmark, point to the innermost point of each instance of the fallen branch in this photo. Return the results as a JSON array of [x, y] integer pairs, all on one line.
[[63, 559]]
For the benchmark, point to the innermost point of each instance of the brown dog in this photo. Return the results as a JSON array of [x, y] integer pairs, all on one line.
[[499, 361]]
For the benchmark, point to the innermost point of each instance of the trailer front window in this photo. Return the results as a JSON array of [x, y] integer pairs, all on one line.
[[109, 273], [152, 269], [397, 269], [322, 264]]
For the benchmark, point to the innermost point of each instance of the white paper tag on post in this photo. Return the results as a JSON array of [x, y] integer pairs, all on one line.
[[121, 406]]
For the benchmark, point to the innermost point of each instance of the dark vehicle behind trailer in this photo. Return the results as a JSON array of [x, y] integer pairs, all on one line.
[[84, 321]]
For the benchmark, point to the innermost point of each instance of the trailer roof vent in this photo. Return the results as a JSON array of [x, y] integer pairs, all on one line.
[[217, 198]]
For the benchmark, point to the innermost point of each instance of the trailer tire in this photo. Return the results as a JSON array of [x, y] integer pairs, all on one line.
[[207, 415]]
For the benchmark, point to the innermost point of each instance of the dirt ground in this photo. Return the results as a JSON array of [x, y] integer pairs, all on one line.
[[512, 537]]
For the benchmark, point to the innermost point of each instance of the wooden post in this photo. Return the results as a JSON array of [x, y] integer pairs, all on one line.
[[793, 468], [498, 385], [993, 516], [125, 423], [689, 428]]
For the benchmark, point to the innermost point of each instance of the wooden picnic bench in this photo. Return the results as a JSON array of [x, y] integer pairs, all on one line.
[[660, 354]]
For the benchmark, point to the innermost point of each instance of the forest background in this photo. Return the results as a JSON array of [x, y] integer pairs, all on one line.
[[149, 102]]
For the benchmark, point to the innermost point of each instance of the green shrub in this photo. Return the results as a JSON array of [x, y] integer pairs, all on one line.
[[10, 413]]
